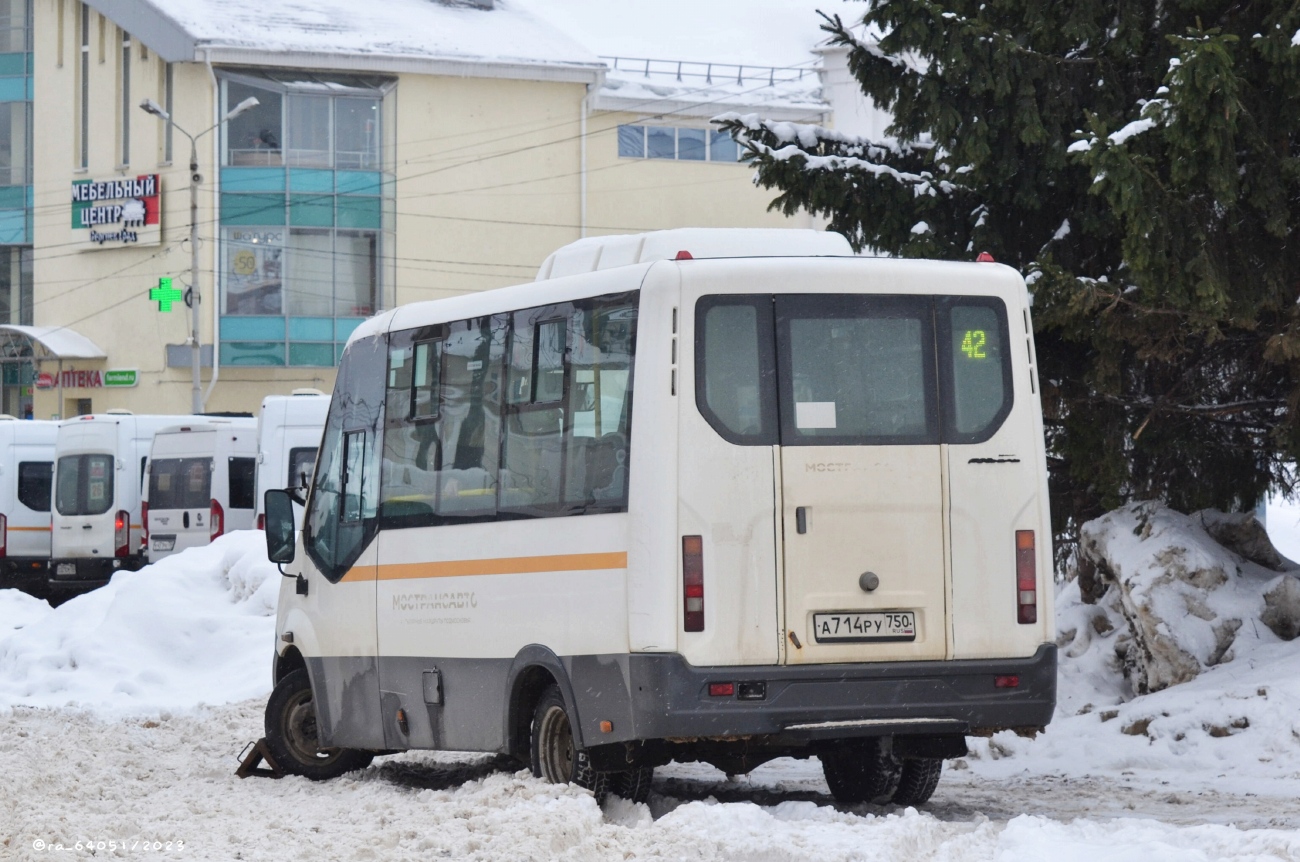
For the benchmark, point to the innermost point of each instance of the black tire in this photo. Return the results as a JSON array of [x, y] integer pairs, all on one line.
[[291, 734], [919, 778], [634, 784], [862, 771], [555, 756]]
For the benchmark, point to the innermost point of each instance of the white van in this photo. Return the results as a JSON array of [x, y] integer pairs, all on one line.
[[201, 484], [26, 466], [288, 438], [693, 495], [99, 472]]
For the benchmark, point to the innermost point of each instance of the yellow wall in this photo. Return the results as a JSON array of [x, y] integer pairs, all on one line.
[[488, 184]]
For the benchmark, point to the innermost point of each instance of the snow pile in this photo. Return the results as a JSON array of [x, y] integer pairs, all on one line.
[[19, 610], [1170, 600], [197, 627]]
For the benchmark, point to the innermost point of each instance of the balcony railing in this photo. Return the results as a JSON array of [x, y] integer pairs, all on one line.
[[687, 71]]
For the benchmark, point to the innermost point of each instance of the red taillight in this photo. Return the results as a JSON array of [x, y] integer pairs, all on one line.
[[684, 255], [1006, 682], [4, 536], [144, 526], [216, 521], [722, 689], [693, 582], [261, 521], [122, 534], [1026, 578]]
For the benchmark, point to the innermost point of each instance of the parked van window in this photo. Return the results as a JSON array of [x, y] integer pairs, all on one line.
[[34, 478], [85, 485], [243, 482], [180, 483], [302, 461]]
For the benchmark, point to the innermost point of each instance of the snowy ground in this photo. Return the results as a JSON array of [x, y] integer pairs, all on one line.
[[1206, 770]]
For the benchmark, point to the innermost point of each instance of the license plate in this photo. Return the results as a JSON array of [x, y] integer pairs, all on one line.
[[65, 569], [860, 627], [164, 544]]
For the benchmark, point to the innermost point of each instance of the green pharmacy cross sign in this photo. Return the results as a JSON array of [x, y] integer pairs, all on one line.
[[165, 294]]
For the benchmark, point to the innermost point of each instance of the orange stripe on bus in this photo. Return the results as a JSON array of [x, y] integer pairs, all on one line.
[[497, 566], [29, 529]]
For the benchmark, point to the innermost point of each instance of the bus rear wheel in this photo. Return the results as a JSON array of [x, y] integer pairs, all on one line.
[[556, 757], [862, 770], [291, 733]]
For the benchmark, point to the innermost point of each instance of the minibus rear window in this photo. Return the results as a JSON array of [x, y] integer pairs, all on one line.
[[976, 367], [856, 369], [180, 483], [34, 478], [734, 380], [85, 485]]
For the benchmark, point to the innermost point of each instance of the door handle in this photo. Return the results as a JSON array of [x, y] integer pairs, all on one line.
[[86, 526], [801, 519], [185, 520]]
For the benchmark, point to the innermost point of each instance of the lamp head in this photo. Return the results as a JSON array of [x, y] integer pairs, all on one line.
[[149, 106], [250, 102]]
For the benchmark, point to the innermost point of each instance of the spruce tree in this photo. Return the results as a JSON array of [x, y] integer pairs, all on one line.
[[1138, 163]]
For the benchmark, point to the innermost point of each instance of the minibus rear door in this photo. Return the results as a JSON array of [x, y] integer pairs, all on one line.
[[862, 513]]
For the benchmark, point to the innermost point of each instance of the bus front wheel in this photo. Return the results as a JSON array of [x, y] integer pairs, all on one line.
[[292, 736]]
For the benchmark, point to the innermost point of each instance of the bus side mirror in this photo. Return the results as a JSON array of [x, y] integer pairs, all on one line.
[[279, 526]]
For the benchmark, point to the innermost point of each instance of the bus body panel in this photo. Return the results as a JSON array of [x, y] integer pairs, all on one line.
[[653, 600], [26, 470]]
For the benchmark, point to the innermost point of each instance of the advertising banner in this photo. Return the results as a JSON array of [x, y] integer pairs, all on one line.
[[118, 212], [254, 265]]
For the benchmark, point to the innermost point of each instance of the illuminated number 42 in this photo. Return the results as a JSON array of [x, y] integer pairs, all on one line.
[[973, 344]]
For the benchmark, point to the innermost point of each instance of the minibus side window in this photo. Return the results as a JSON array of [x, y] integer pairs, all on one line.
[[532, 451], [976, 367], [341, 516], [34, 478], [735, 369], [302, 461], [243, 482], [600, 406]]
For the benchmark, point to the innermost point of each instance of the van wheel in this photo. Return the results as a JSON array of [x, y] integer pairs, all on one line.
[[862, 771], [919, 778], [555, 756], [291, 733], [634, 784]]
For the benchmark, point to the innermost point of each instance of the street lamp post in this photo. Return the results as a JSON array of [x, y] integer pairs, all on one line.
[[149, 106]]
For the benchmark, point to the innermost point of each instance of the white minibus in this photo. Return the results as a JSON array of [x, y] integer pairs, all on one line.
[[200, 484], [288, 437], [26, 464], [99, 473], [704, 495]]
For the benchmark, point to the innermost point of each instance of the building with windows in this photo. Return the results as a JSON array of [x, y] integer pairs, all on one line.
[[421, 150], [15, 202]]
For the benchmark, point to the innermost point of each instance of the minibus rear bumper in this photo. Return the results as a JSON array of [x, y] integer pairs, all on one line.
[[25, 573], [801, 704], [82, 574]]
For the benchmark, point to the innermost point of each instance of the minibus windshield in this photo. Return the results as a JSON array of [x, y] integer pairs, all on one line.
[[84, 485]]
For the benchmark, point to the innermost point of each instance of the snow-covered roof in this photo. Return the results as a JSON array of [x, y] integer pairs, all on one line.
[[420, 36], [57, 342], [685, 58]]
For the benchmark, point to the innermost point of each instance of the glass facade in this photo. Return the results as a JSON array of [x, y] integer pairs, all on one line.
[[16, 197], [306, 215]]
